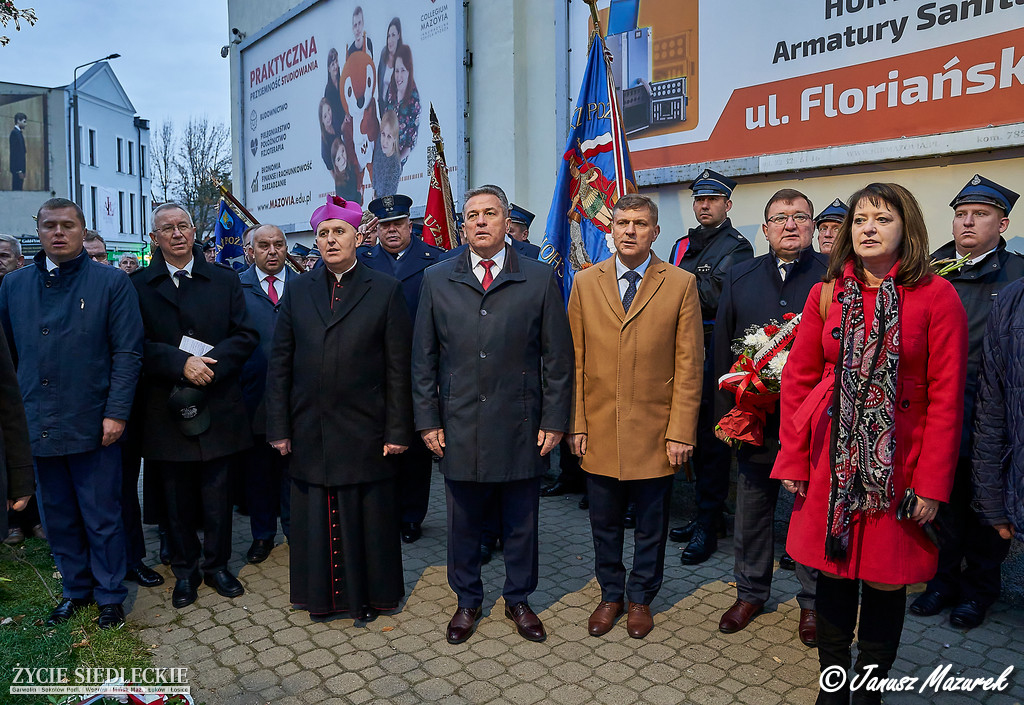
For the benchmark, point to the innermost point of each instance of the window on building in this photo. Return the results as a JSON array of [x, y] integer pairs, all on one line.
[[120, 207], [142, 162], [131, 159], [144, 214], [92, 149], [131, 210], [120, 158], [92, 205]]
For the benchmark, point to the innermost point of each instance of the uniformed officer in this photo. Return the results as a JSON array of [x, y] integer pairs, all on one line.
[[970, 553], [404, 257], [827, 224], [708, 251], [521, 219]]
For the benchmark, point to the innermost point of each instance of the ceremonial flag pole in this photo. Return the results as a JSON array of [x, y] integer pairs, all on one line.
[[439, 216], [239, 211], [594, 172]]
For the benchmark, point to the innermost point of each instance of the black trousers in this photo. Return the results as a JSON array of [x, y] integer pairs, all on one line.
[[608, 499], [971, 553], [187, 487], [414, 467], [711, 457], [267, 489], [468, 507]]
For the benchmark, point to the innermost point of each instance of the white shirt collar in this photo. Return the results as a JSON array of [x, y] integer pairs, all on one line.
[[498, 259], [51, 265], [263, 275], [337, 277], [188, 267], [976, 260], [621, 269]]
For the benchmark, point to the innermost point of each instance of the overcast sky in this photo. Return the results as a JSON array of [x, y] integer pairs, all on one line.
[[170, 63]]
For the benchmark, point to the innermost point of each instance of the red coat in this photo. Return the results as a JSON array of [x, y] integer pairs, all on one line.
[[929, 413]]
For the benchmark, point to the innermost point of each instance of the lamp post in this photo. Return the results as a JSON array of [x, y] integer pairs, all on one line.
[[77, 136]]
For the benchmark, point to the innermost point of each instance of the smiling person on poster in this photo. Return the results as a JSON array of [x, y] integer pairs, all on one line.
[[872, 403]]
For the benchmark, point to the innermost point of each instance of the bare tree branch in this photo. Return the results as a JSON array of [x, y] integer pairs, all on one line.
[[204, 155], [164, 153]]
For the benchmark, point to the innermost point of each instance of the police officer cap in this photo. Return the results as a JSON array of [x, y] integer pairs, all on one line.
[[711, 183], [518, 214], [209, 245], [388, 208], [835, 213], [299, 250], [313, 252], [982, 190]]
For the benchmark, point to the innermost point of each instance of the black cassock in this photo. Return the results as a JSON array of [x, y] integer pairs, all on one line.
[[339, 388]]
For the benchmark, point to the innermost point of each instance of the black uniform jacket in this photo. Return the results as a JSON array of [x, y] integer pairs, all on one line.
[[338, 384], [209, 307]]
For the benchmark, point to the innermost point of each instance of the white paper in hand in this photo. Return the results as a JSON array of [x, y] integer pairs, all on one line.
[[194, 347]]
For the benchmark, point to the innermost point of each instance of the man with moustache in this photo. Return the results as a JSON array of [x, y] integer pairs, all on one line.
[[64, 313], [971, 552], [190, 398], [265, 285], [404, 257], [708, 252], [755, 292], [827, 223], [491, 326]]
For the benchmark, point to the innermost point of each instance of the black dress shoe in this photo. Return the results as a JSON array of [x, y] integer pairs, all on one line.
[[67, 609], [185, 591], [112, 616], [462, 624], [527, 623], [701, 546], [259, 550], [558, 488], [629, 519], [930, 603], [165, 548], [225, 583], [786, 562], [682, 533], [967, 615], [411, 531], [584, 502], [485, 554], [143, 575]]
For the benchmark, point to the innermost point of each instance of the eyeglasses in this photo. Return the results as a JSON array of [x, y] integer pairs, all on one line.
[[798, 218], [168, 230]]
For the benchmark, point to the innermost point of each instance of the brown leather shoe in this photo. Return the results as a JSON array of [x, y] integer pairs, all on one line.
[[808, 629], [639, 622], [603, 618], [462, 624], [528, 624], [738, 616]]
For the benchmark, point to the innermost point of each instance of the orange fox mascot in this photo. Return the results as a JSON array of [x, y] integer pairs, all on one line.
[[358, 91]]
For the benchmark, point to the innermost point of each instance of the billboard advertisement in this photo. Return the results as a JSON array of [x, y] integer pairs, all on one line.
[[24, 161], [336, 100], [820, 83]]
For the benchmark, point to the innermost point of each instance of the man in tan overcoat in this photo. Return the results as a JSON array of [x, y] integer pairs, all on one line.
[[636, 328]]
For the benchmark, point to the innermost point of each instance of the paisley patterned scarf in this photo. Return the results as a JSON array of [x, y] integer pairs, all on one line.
[[863, 440]]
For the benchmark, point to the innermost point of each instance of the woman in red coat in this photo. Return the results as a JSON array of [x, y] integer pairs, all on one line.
[[872, 404]]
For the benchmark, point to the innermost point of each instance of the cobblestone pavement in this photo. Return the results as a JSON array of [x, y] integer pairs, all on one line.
[[256, 649]]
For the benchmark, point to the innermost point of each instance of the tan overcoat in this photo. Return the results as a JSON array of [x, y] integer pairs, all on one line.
[[638, 376]]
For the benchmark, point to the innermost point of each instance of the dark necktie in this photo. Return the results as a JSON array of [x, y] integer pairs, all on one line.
[[271, 289], [786, 268], [488, 278], [627, 298]]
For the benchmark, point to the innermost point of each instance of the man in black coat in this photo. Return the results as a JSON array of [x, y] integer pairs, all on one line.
[[265, 471], [400, 255], [971, 552], [708, 252], [755, 292], [491, 326], [191, 409], [16, 142], [338, 397]]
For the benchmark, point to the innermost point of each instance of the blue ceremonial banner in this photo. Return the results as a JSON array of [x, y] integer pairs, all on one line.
[[594, 172], [227, 234]]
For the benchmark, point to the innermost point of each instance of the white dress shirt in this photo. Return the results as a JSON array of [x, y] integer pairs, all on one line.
[[172, 269], [278, 284], [620, 271], [479, 270]]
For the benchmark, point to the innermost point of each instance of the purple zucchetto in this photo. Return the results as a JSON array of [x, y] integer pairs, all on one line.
[[337, 207]]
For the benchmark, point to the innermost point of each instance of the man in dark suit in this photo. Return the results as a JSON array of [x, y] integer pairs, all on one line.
[[197, 340], [708, 251], [265, 286], [404, 257], [480, 406], [755, 292], [65, 312], [18, 152]]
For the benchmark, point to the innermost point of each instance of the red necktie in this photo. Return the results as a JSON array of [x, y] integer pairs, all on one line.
[[487, 264], [271, 291]]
